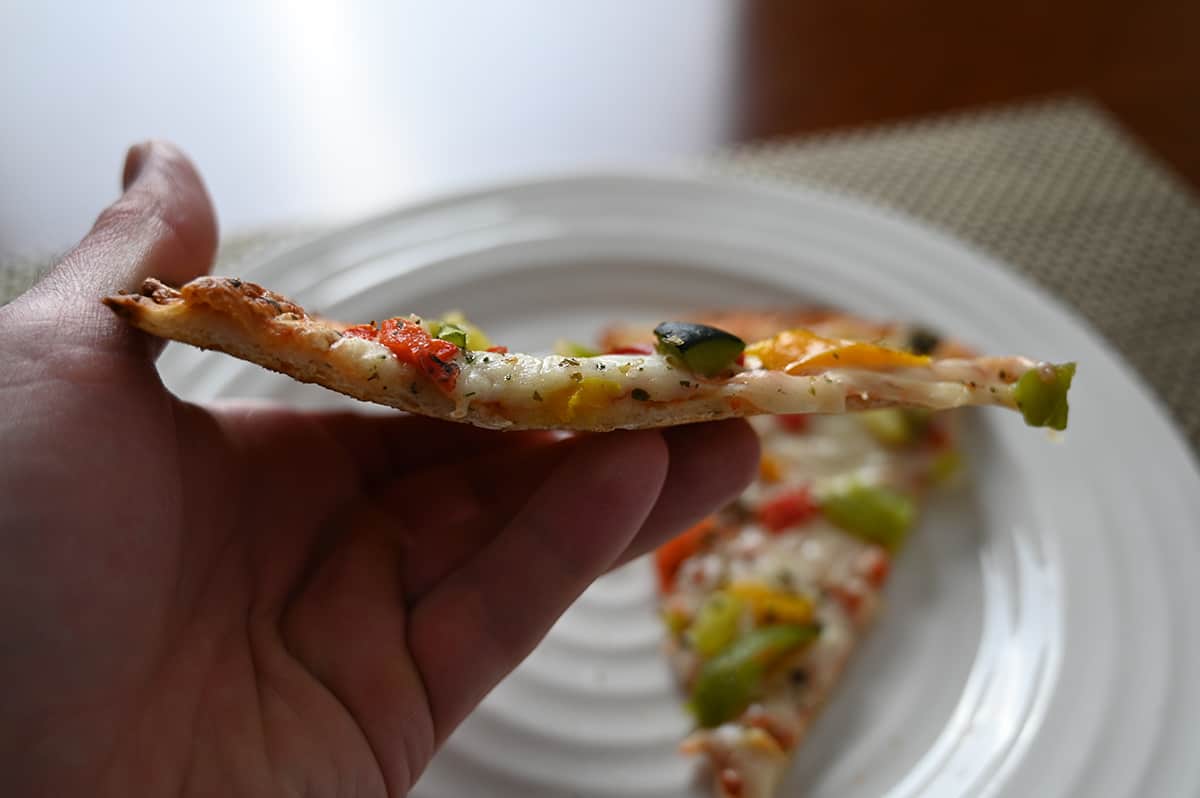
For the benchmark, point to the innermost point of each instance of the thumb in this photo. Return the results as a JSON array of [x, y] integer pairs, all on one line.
[[162, 226]]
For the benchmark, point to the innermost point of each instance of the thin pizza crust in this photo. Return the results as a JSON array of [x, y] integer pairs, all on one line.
[[519, 391]]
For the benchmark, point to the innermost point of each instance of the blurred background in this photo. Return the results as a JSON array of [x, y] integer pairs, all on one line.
[[304, 112]]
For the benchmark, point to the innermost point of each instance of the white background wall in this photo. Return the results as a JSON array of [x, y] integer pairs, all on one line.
[[328, 111]]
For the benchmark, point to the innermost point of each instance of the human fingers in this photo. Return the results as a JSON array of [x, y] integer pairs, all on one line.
[[347, 627], [487, 615], [711, 464], [379, 447], [447, 514]]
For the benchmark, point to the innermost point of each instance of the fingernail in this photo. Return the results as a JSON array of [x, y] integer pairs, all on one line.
[[134, 160]]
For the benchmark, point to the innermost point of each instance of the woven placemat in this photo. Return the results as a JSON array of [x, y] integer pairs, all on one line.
[[1056, 189]]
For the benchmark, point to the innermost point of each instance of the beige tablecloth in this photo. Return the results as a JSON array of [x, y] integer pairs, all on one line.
[[1056, 189]]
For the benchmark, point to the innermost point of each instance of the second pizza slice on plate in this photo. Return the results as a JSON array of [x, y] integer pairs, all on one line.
[[765, 601]]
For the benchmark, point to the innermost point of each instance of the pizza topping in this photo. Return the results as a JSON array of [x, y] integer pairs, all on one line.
[[946, 466], [893, 426], [769, 470], [675, 617], [793, 422], [455, 327], [729, 682], [874, 565], [1041, 395], [787, 509], [580, 397], [703, 349], [772, 606], [849, 595], [632, 349], [801, 352], [922, 341], [574, 349], [672, 554], [409, 342], [367, 331], [873, 512], [454, 334], [717, 623]]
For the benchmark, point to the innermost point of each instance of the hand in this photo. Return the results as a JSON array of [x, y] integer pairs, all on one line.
[[253, 600]]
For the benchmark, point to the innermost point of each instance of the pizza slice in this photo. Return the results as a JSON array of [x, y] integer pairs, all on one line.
[[765, 601], [693, 372]]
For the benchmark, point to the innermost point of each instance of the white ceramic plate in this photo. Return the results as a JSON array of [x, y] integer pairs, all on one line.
[[1040, 636]]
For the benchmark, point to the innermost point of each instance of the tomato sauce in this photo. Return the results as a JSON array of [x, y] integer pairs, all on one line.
[[411, 344]]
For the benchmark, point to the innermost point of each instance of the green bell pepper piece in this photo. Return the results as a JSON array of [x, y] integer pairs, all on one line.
[[730, 681], [703, 349], [454, 334], [872, 512], [716, 624], [891, 426], [1042, 401]]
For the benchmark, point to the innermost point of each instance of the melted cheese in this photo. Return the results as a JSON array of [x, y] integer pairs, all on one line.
[[563, 389]]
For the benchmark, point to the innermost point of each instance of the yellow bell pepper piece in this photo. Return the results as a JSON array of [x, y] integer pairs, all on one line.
[[594, 393], [803, 352], [579, 399], [772, 606], [769, 470], [716, 624]]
